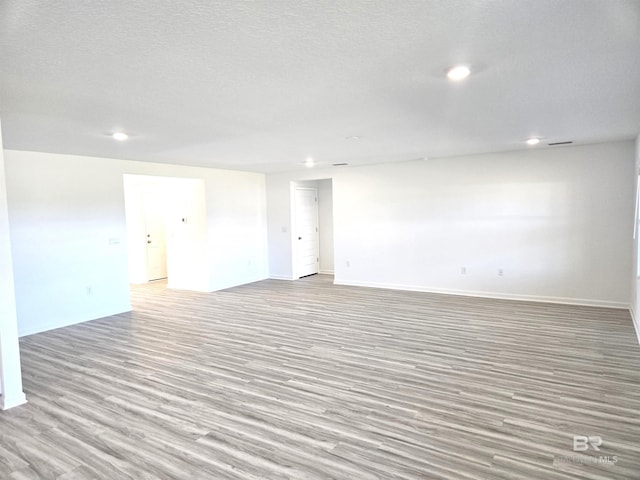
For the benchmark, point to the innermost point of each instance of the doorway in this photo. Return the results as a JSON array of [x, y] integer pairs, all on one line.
[[312, 227], [166, 230]]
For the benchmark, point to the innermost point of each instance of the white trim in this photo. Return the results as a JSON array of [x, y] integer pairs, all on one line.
[[56, 324], [281, 277], [284, 277], [231, 285], [14, 401], [189, 288], [635, 222], [481, 294], [636, 326]]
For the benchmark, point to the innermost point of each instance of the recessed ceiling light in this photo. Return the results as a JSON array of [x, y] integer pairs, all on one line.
[[352, 137], [459, 72], [533, 141], [120, 136], [309, 162]]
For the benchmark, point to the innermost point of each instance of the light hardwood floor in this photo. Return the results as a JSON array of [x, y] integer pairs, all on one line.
[[307, 380]]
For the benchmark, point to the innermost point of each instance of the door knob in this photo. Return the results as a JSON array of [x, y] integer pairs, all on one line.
[[148, 241], [299, 238]]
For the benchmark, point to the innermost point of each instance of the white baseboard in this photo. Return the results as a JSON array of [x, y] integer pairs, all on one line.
[[32, 329], [635, 324], [284, 277], [236, 283], [14, 401], [188, 288], [482, 294]]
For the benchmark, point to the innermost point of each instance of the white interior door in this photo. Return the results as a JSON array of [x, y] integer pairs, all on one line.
[[156, 238], [306, 238]]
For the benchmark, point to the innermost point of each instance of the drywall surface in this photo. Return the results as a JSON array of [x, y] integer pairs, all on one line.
[[180, 205], [68, 232], [325, 216], [635, 270], [11, 393], [541, 224]]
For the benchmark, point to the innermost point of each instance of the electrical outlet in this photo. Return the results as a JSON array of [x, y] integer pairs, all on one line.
[[500, 272], [89, 289], [347, 263], [463, 270]]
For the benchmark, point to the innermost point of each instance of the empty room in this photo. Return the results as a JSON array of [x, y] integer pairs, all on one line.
[[308, 240]]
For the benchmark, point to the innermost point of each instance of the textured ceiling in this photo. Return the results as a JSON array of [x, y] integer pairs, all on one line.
[[262, 85]]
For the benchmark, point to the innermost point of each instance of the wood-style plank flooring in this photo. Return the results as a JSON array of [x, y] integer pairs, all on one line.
[[307, 380]]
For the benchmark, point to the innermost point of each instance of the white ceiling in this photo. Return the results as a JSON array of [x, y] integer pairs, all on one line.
[[262, 85]]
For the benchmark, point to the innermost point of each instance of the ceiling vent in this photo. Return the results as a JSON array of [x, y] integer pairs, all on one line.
[[340, 164], [560, 143]]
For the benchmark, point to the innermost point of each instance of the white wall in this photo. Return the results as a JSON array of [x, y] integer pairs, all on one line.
[[64, 211], [68, 233], [186, 234], [235, 207], [134, 189], [11, 393], [181, 203], [237, 230], [635, 271], [556, 221], [325, 222]]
